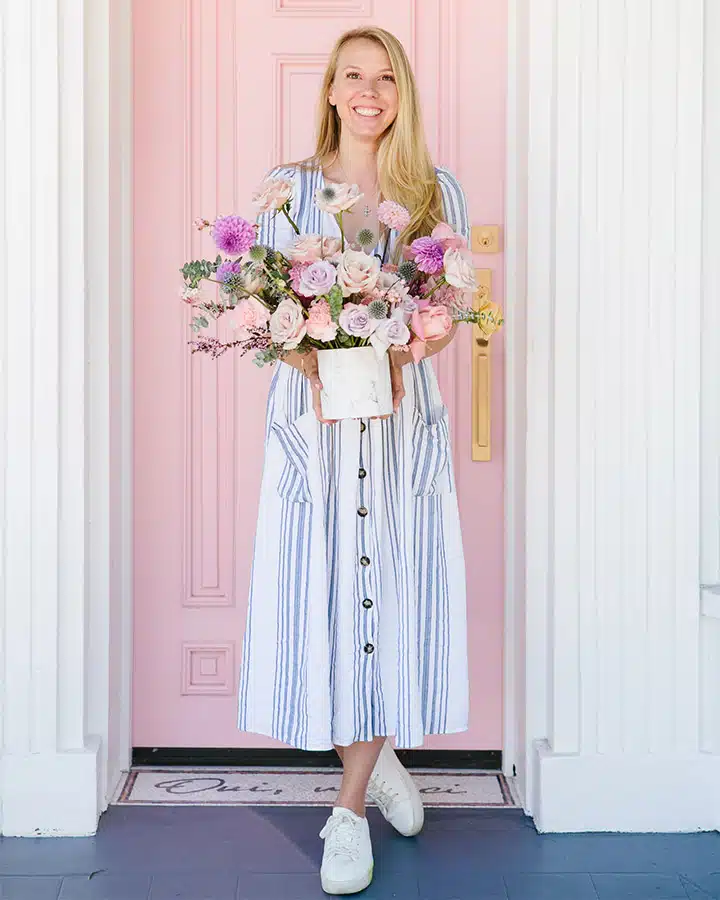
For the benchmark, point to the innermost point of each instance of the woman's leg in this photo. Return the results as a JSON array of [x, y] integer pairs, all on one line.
[[358, 761]]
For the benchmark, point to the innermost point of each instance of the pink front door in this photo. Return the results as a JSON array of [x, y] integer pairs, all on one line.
[[224, 89]]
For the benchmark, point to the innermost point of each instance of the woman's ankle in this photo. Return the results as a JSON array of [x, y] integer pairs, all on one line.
[[348, 803]]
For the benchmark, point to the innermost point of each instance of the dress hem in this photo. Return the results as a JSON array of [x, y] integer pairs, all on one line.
[[315, 748]]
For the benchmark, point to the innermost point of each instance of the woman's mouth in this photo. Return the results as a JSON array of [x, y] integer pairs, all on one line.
[[368, 112]]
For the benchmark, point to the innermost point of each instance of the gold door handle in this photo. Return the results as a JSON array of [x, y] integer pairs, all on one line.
[[481, 393]]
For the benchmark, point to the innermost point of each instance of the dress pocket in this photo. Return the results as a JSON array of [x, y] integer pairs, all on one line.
[[431, 453], [293, 483]]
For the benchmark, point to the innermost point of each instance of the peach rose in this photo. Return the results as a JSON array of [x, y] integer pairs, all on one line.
[[436, 322], [320, 325], [357, 272], [310, 247], [444, 235], [273, 193], [459, 272], [250, 313], [287, 324]]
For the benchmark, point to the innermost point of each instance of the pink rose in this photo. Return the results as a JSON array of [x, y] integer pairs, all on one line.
[[320, 325], [444, 235], [459, 271], [436, 322], [357, 272], [337, 198], [287, 324], [273, 193], [250, 313], [310, 247]]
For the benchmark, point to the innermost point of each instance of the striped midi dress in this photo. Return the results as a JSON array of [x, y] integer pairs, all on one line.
[[356, 622]]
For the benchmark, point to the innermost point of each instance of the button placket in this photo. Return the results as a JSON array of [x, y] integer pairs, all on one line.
[[367, 626]]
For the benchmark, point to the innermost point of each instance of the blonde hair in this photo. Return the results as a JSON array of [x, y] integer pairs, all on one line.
[[406, 173]]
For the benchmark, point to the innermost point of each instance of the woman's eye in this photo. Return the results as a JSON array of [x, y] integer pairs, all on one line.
[[353, 75], [389, 77]]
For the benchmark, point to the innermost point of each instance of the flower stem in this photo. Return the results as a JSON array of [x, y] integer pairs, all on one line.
[[339, 219], [441, 282], [284, 208]]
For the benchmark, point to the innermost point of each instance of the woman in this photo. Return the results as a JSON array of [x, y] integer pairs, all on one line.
[[356, 622]]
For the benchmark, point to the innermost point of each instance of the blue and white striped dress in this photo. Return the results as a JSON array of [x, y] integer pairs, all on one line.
[[356, 623]]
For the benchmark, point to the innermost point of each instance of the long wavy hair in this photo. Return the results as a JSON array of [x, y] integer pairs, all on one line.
[[406, 173]]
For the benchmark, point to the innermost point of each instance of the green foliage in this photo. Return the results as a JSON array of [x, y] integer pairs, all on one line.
[[335, 301], [194, 272]]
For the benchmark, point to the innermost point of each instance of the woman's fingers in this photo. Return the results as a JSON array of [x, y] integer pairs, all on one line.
[[317, 406], [398, 386], [310, 368]]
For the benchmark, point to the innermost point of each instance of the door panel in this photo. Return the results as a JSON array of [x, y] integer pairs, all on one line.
[[224, 89]]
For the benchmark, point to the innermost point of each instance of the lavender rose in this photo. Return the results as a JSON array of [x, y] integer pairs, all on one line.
[[317, 278], [355, 320], [287, 324], [389, 331]]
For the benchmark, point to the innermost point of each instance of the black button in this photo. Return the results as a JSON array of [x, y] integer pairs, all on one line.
[[363, 426], [364, 561], [367, 603], [368, 648], [362, 511], [362, 473]]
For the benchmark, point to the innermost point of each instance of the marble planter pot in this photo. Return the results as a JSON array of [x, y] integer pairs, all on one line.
[[356, 384]]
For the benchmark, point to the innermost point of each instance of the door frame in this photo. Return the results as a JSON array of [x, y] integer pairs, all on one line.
[[113, 103]]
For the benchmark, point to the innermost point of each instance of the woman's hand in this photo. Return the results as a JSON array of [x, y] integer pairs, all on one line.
[[309, 368], [396, 380]]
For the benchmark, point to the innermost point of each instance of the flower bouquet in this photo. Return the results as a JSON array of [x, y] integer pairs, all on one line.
[[333, 295]]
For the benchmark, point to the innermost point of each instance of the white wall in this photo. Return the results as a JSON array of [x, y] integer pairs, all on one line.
[[65, 435], [610, 236]]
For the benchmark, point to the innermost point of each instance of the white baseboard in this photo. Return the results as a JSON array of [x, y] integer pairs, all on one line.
[[51, 794], [625, 793]]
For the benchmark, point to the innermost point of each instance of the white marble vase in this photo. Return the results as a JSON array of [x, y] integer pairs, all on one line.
[[356, 383]]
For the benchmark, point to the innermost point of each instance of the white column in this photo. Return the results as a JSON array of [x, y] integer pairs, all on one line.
[[609, 221], [55, 178]]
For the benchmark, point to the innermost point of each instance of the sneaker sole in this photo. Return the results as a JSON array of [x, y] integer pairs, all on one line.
[[417, 805], [418, 809], [346, 887]]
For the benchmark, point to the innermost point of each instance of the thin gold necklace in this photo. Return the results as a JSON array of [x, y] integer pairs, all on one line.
[[366, 209]]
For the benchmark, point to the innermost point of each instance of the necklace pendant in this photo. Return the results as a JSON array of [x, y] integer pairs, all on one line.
[[366, 211]]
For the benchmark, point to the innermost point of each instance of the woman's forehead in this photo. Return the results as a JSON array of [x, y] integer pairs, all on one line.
[[364, 53]]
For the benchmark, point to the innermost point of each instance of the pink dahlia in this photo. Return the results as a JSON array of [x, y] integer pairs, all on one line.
[[393, 215], [233, 234], [428, 255]]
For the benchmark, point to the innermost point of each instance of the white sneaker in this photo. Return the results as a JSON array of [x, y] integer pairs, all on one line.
[[391, 787], [347, 863]]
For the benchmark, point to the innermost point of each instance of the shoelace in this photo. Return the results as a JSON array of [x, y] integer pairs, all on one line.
[[380, 792], [341, 837]]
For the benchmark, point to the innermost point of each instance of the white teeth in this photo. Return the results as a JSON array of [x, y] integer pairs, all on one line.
[[367, 111]]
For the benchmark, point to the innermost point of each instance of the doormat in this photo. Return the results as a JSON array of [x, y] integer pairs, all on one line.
[[150, 786]]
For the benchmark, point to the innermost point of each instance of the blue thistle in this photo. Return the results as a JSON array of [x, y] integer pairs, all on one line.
[[407, 270], [258, 253], [366, 238], [377, 309]]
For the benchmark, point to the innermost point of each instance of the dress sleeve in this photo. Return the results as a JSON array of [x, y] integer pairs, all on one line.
[[454, 203], [274, 229]]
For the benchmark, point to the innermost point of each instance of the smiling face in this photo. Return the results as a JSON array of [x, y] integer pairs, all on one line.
[[364, 90]]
